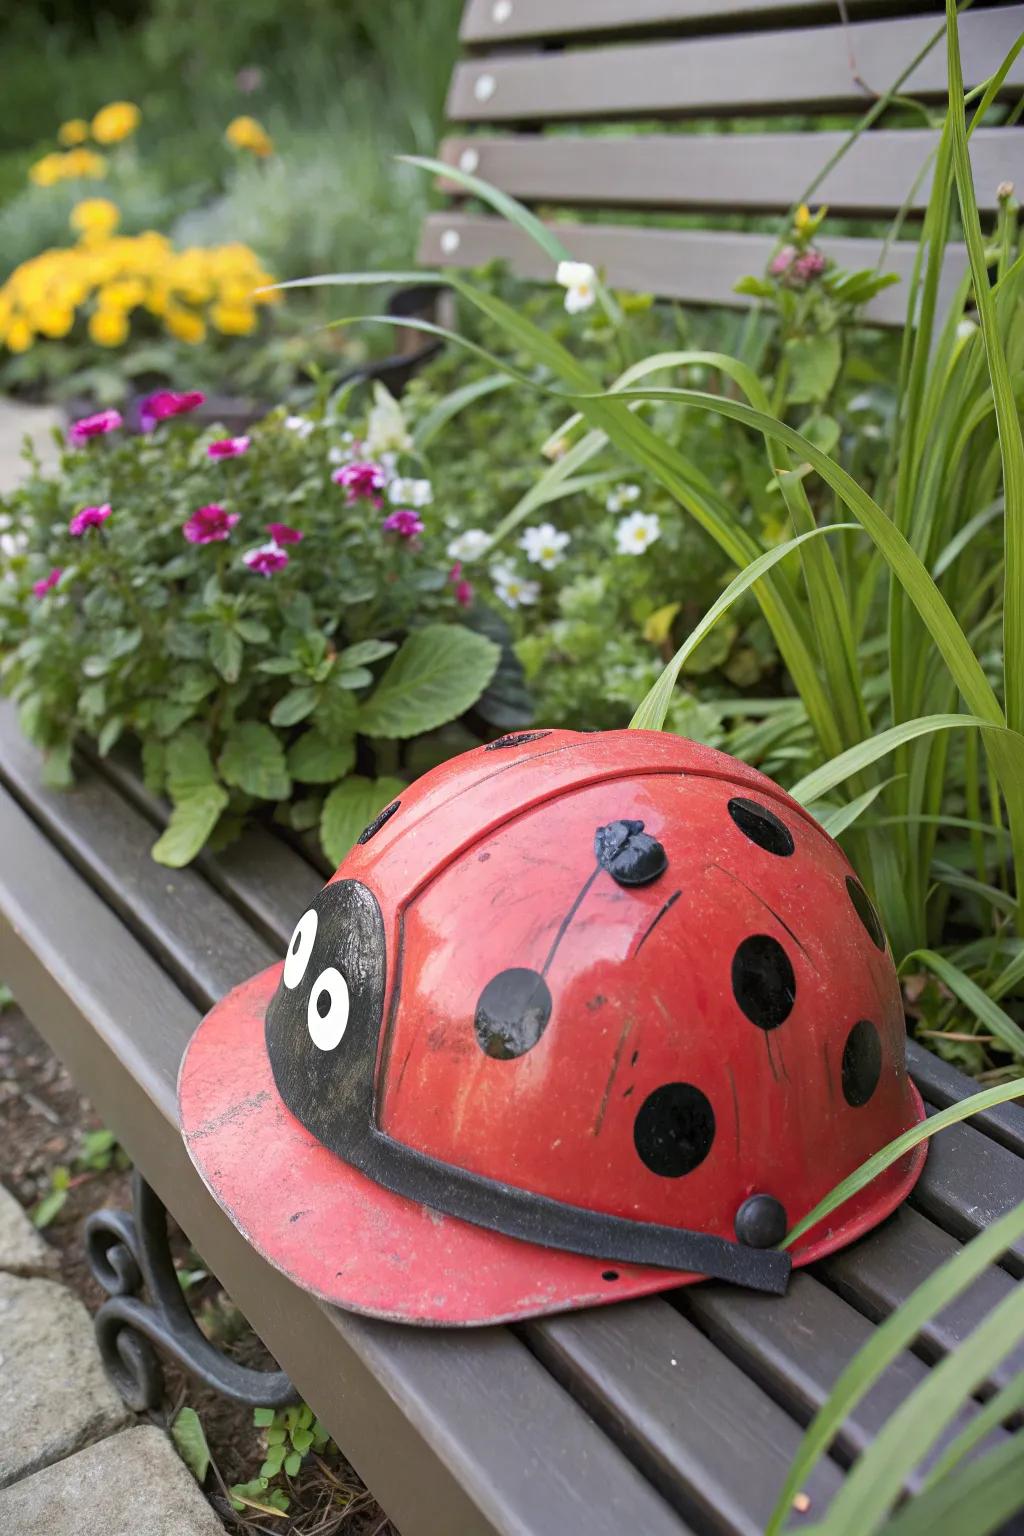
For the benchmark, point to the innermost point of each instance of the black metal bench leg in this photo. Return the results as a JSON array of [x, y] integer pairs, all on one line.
[[127, 1252]]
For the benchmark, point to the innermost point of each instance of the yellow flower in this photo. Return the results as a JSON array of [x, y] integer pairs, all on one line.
[[19, 334], [803, 218], [84, 163], [74, 131], [95, 216], [185, 325], [115, 122], [55, 320], [108, 327], [247, 133], [47, 171], [233, 319], [124, 294]]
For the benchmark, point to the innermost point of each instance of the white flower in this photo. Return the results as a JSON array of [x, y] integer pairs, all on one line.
[[410, 493], [637, 532], [544, 545], [621, 496], [300, 425], [348, 450], [386, 429], [513, 590], [578, 278], [469, 545]]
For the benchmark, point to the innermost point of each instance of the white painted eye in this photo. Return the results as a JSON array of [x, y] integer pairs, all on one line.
[[300, 949], [327, 1010]]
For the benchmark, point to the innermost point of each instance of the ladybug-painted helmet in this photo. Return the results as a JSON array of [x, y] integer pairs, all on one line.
[[580, 1017]]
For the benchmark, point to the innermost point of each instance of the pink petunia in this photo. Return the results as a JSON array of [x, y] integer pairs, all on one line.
[[210, 525], [280, 533], [89, 517], [403, 522], [267, 559], [362, 480], [463, 588], [782, 262], [48, 582], [167, 402], [86, 427], [229, 447], [810, 265]]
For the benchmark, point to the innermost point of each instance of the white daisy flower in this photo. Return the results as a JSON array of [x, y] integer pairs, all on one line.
[[544, 545], [300, 425], [637, 532], [469, 545], [621, 496], [513, 590], [410, 493], [579, 280]]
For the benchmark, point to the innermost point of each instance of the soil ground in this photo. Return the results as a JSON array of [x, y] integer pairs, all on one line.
[[43, 1120]]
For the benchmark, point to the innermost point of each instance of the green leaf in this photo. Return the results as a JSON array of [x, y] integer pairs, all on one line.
[[453, 403], [364, 652], [57, 772], [226, 653], [295, 706], [279, 665], [48, 1208], [292, 1463], [349, 808], [188, 765], [313, 759], [263, 1417], [353, 677], [439, 672], [253, 759], [977, 1500], [823, 432], [756, 287], [187, 1434], [813, 367], [972, 996], [193, 819], [818, 783], [109, 734]]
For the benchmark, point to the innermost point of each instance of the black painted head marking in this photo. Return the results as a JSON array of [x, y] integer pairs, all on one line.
[[512, 1013], [628, 853], [761, 1222], [378, 821], [763, 981], [865, 910], [761, 826], [518, 739], [674, 1129], [862, 1063]]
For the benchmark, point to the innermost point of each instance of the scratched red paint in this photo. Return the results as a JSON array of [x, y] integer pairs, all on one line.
[[482, 861]]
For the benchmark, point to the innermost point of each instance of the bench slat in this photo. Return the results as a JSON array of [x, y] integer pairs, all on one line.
[[689, 1415], [498, 21], [734, 171], [943, 1085], [968, 1182], [755, 72], [697, 266], [879, 1273], [486, 1440]]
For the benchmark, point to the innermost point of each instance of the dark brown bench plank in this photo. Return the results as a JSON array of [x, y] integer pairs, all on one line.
[[497, 21], [969, 1181], [469, 1435], [942, 1085], [696, 266], [759, 72], [879, 1273], [750, 171]]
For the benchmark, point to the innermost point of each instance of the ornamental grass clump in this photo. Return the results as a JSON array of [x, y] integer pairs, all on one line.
[[273, 641]]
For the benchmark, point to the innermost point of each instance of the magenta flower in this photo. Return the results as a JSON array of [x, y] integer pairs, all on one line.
[[89, 517], [267, 559], [48, 582], [782, 262], [165, 403], [85, 427], [229, 447], [463, 588], [210, 525], [280, 533], [808, 266], [361, 480], [403, 522]]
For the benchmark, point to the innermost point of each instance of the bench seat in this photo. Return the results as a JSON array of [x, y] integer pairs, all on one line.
[[665, 1415]]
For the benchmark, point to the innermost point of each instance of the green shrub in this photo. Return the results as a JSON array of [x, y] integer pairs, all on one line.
[[307, 688]]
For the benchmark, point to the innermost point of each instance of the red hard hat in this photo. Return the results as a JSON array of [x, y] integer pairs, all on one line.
[[580, 1017]]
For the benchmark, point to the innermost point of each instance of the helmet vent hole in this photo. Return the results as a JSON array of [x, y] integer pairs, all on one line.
[[763, 981], [761, 826]]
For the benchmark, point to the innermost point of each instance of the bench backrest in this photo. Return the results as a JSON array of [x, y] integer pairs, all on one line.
[[532, 69]]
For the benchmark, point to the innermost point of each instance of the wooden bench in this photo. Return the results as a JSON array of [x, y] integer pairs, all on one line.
[[662, 1416], [537, 72]]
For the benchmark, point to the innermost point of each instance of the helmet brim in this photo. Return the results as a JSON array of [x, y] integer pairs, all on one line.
[[337, 1234]]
